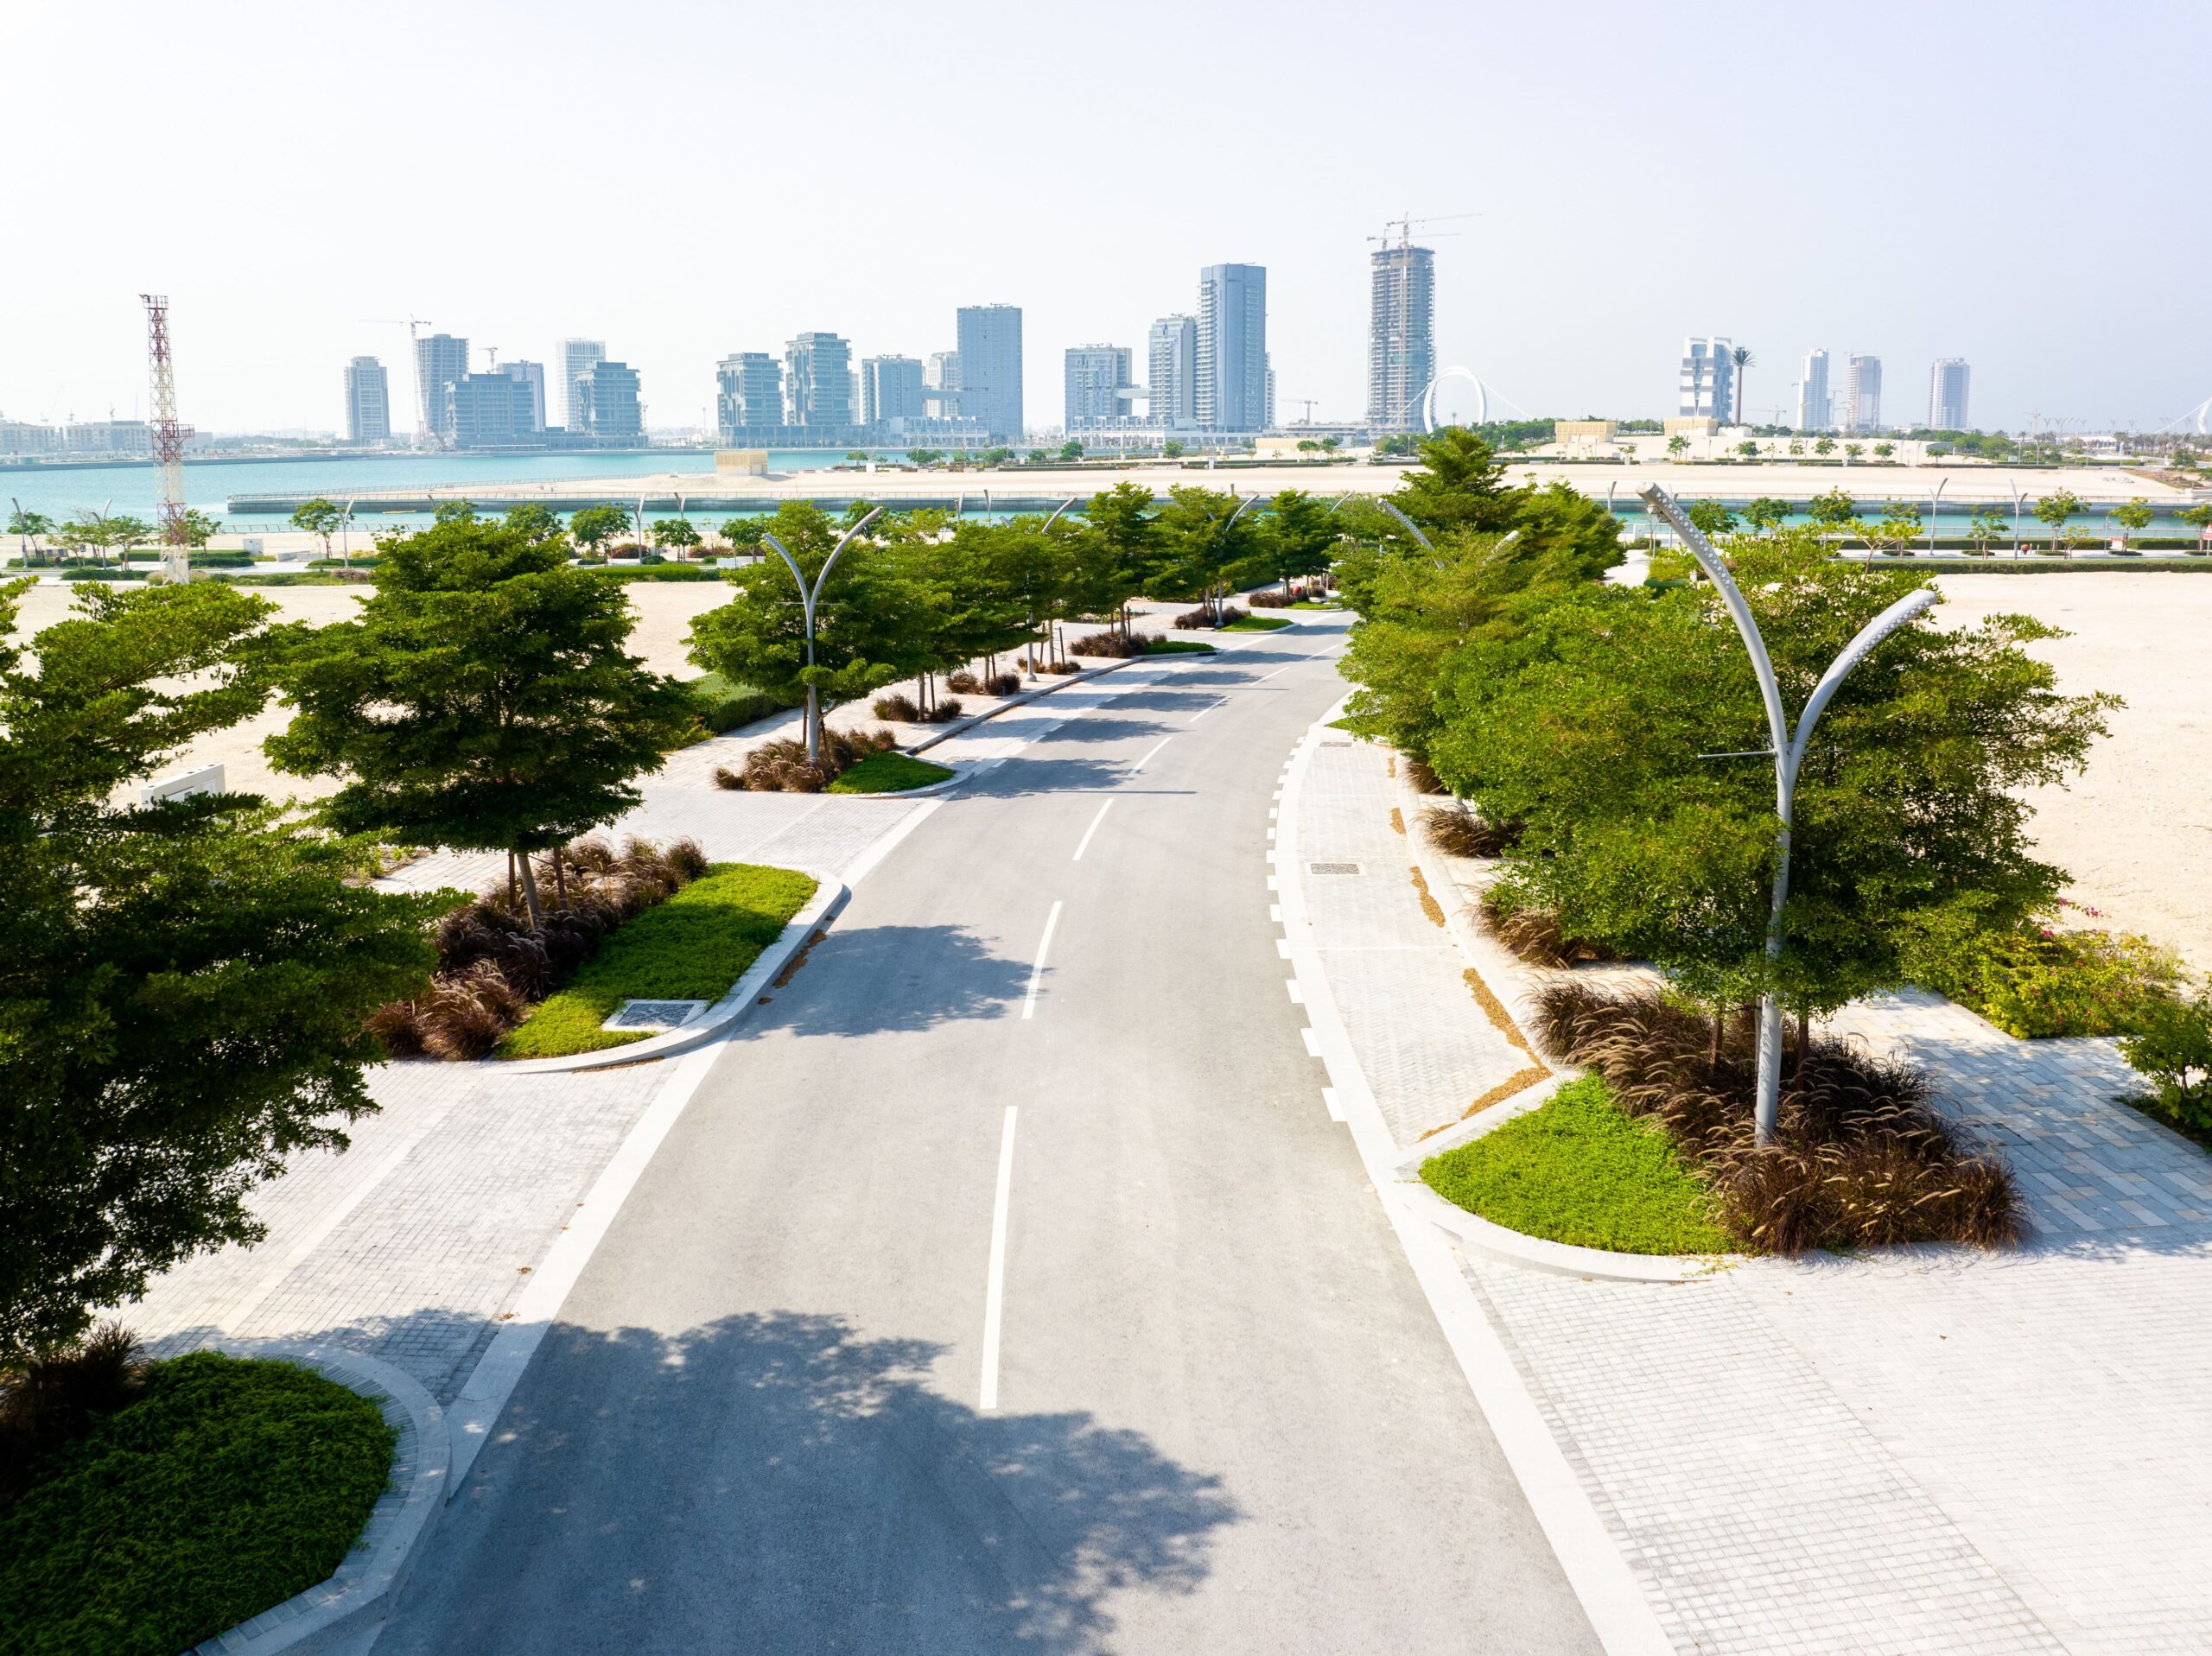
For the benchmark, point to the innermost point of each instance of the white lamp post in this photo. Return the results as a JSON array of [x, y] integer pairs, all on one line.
[[808, 598], [1789, 755]]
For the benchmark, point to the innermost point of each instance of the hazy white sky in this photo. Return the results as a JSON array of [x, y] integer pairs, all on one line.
[[2021, 185]]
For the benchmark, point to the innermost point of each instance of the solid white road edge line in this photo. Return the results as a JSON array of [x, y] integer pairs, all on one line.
[[1618, 1611], [472, 1415], [1037, 971], [886, 842], [1148, 758], [1083, 844], [994, 1291]]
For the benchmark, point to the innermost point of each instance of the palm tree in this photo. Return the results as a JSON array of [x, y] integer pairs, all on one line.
[[1742, 357]]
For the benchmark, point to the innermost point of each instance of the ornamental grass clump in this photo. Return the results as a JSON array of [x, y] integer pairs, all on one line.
[[783, 767], [1861, 1158], [52, 1399], [1113, 645], [492, 968], [1458, 831], [1533, 934]]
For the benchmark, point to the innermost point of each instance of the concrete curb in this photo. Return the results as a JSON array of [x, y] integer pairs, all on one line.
[[359, 1595], [1619, 1613], [1514, 1248], [829, 895], [1022, 701], [960, 774]]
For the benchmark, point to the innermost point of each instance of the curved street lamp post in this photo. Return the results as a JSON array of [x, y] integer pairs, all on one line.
[[808, 598], [1789, 755]]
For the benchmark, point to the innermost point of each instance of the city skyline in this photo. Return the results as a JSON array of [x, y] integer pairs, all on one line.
[[1539, 294]]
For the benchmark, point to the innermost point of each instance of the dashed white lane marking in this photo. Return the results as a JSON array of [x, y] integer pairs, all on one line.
[[1037, 971], [1148, 758], [1312, 1042], [1083, 844], [1336, 1108], [994, 1291], [1296, 992]]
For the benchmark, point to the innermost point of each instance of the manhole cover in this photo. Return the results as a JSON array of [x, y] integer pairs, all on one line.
[[654, 1014], [1333, 868]]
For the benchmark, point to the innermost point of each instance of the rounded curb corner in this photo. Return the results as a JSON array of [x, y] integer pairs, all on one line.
[[830, 894], [357, 1596], [1494, 1242]]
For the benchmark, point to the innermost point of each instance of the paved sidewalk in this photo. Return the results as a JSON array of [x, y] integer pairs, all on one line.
[[1929, 1449], [413, 1245]]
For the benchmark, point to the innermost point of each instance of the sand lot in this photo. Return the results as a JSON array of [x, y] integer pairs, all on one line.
[[664, 610], [2135, 832]]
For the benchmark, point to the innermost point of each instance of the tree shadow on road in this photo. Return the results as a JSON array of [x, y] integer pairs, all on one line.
[[871, 979], [779, 1482]]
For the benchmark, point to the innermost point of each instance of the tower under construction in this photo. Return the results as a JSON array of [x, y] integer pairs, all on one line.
[[169, 441], [1401, 335]]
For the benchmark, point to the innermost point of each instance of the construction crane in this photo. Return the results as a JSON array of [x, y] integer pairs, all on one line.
[[1401, 244], [414, 366], [1306, 403], [169, 441]]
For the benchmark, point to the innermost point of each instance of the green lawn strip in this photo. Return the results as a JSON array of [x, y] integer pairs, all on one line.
[[1259, 624], [889, 773], [1178, 647], [1307, 603], [227, 1487], [1579, 1170], [693, 947]]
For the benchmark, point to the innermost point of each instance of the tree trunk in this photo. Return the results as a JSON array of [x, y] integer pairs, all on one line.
[[1804, 1036], [529, 893], [514, 893], [561, 873]]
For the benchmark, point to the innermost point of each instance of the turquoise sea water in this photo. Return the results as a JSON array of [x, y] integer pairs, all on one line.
[[132, 490]]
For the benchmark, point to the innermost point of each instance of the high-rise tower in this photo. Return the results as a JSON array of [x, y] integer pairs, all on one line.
[[1232, 388], [990, 341], [1400, 334]]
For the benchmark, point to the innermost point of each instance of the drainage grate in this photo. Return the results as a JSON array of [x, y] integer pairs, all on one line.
[[1336, 742], [655, 1014], [1333, 868]]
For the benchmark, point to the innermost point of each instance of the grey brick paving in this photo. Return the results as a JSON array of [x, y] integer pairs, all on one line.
[[1921, 1448], [1428, 1051]]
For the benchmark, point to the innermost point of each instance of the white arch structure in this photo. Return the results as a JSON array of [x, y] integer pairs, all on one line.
[[1429, 397], [2201, 415]]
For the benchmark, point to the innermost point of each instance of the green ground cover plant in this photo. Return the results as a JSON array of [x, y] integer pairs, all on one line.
[[1178, 647], [1257, 623], [725, 706], [1581, 1170], [889, 773], [225, 1488], [2038, 980], [693, 947], [2172, 1046]]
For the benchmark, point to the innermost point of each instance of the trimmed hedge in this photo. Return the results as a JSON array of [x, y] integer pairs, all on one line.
[[227, 1487], [1258, 624], [693, 947]]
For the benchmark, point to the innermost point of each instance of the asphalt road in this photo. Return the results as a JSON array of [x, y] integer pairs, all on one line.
[[1224, 1419]]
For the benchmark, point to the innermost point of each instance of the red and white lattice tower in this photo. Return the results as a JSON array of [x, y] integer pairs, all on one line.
[[169, 441]]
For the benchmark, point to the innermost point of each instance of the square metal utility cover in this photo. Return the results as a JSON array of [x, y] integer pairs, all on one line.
[[1333, 868], [654, 1014]]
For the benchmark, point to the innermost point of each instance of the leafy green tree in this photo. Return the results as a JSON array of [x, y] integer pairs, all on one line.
[[1116, 551], [925, 458], [1987, 524], [2198, 517], [1297, 538], [320, 518], [1852, 451], [742, 531], [30, 527], [675, 534], [1899, 528], [2134, 517], [183, 986], [1882, 451], [1596, 725], [454, 511], [1711, 518], [532, 521], [856, 457], [127, 534], [1748, 449], [1832, 509], [1677, 447], [2053, 511], [593, 527], [1765, 515], [198, 528], [1203, 538], [1071, 450], [1330, 444], [1171, 450], [1796, 448], [1824, 446], [1745, 362], [874, 624], [482, 698], [86, 532]]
